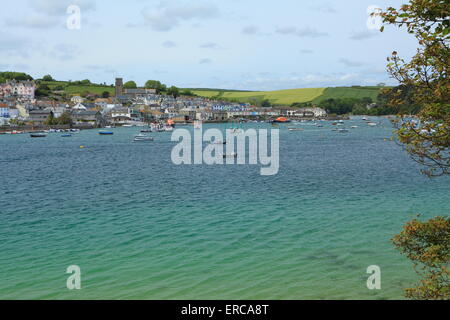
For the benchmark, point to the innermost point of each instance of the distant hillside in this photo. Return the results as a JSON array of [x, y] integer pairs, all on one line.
[[281, 97], [73, 88], [348, 92], [217, 90], [288, 97]]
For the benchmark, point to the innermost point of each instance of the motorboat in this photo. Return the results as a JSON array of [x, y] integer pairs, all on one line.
[[142, 137], [296, 129], [38, 135], [371, 124], [105, 133]]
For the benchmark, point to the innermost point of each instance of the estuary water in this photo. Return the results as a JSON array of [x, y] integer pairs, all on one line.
[[140, 227]]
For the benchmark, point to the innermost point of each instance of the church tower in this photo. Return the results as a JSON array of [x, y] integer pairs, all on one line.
[[119, 87]]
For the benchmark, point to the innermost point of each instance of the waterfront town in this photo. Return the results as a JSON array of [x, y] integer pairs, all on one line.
[[20, 106]]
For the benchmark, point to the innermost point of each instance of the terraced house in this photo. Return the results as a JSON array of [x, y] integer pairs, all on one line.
[[19, 89]]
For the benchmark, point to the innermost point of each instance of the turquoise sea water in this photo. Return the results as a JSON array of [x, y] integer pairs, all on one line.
[[140, 227]]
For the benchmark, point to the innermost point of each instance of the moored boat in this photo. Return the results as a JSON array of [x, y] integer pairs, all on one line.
[[142, 137], [38, 135], [104, 133]]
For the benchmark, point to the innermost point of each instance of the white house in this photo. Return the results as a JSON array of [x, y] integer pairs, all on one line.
[[79, 106], [77, 99], [21, 89], [308, 111]]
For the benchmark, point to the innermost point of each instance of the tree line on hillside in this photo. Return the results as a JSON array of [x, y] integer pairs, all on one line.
[[6, 76], [160, 88], [367, 106]]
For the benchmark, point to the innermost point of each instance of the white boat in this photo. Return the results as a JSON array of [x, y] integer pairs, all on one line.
[[157, 127], [142, 137], [371, 124], [354, 127]]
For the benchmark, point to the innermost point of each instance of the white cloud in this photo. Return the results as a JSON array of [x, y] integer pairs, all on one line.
[[303, 32], [325, 8], [170, 14], [34, 21], [294, 81], [59, 7], [95, 67], [47, 14], [250, 30], [65, 52], [210, 45], [13, 45], [205, 61]]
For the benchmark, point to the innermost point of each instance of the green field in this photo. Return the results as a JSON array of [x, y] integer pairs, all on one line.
[[281, 97], [75, 89], [288, 97], [348, 92]]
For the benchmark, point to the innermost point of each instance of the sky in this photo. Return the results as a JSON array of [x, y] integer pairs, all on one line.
[[232, 44]]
